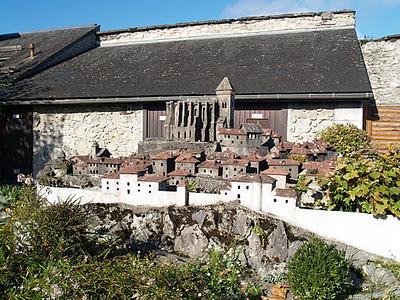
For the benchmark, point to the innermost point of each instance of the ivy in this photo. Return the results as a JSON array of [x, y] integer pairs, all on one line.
[[366, 182]]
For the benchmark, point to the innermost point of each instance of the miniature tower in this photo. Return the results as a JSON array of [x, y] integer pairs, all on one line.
[[226, 100], [94, 149]]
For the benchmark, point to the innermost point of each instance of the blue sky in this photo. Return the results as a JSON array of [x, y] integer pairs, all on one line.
[[375, 18]]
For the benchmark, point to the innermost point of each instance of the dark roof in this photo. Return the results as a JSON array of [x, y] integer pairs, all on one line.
[[46, 44], [327, 61]]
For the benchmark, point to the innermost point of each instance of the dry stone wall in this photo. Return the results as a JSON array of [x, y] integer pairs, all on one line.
[[306, 119], [382, 58], [231, 27], [73, 128]]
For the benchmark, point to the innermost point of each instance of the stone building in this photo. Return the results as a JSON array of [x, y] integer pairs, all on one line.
[[163, 163], [198, 118], [294, 73], [178, 176], [187, 162], [289, 165], [235, 166], [210, 168]]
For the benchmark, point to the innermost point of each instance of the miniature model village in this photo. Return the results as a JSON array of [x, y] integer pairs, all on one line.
[[246, 153]]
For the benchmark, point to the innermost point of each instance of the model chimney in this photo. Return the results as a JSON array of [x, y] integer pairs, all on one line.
[[31, 50]]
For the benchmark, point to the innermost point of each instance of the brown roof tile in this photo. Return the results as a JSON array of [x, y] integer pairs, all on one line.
[[111, 176], [283, 162], [231, 131], [272, 171], [153, 178], [131, 169], [163, 155], [186, 158], [288, 193], [179, 172], [210, 164]]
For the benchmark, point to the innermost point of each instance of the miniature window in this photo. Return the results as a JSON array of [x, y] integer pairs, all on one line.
[[287, 201], [154, 163], [290, 169], [238, 196], [107, 182], [234, 169], [247, 187], [226, 193], [274, 200], [237, 137], [117, 182], [117, 189], [149, 192], [138, 190], [128, 191], [238, 187], [162, 164], [232, 141], [138, 184], [128, 184], [204, 170], [108, 188], [241, 170], [210, 171], [241, 142], [149, 185]]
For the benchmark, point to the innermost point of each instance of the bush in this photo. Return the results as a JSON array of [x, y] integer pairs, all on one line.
[[319, 271], [345, 139], [366, 182]]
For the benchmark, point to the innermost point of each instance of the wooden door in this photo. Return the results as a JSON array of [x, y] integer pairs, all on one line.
[[156, 116]]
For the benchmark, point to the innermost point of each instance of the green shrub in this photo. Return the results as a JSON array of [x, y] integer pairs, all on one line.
[[366, 182], [345, 138], [319, 271]]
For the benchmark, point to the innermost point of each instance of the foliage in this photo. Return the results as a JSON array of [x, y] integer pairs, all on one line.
[[299, 157], [302, 184], [193, 186], [345, 138], [49, 251], [366, 182], [319, 271], [275, 278]]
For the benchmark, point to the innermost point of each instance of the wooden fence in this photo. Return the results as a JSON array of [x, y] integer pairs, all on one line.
[[384, 125]]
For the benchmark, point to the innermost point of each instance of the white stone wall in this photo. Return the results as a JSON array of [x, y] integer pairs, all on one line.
[[238, 27], [382, 59], [73, 128], [306, 119]]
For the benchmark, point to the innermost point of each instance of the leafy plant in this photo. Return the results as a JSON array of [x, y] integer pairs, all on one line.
[[302, 184], [319, 271], [366, 182], [193, 186], [345, 138]]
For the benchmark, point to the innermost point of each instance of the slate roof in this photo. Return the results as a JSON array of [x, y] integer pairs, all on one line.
[[47, 44], [318, 61]]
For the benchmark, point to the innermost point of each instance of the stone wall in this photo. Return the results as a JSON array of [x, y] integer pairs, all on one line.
[[222, 28], [306, 119], [73, 128], [382, 58]]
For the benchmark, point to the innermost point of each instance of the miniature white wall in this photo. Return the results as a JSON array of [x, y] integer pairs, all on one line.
[[363, 231]]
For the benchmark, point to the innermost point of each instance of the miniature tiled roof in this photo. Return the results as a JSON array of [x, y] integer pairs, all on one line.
[[236, 161], [112, 175], [283, 162], [131, 169], [266, 131], [186, 158], [221, 156], [254, 157], [231, 131], [210, 164], [272, 171], [323, 167], [163, 155], [253, 178], [179, 172], [287, 193], [153, 178], [80, 164], [104, 161], [300, 151]]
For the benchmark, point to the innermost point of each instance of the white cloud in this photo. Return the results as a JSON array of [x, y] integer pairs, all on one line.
[[242, 8]]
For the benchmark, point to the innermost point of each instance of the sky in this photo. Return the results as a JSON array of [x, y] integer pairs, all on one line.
[[375, 18]]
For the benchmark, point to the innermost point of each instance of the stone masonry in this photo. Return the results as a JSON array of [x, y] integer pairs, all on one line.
[[382, 58], [256, 25], [67, 128]]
